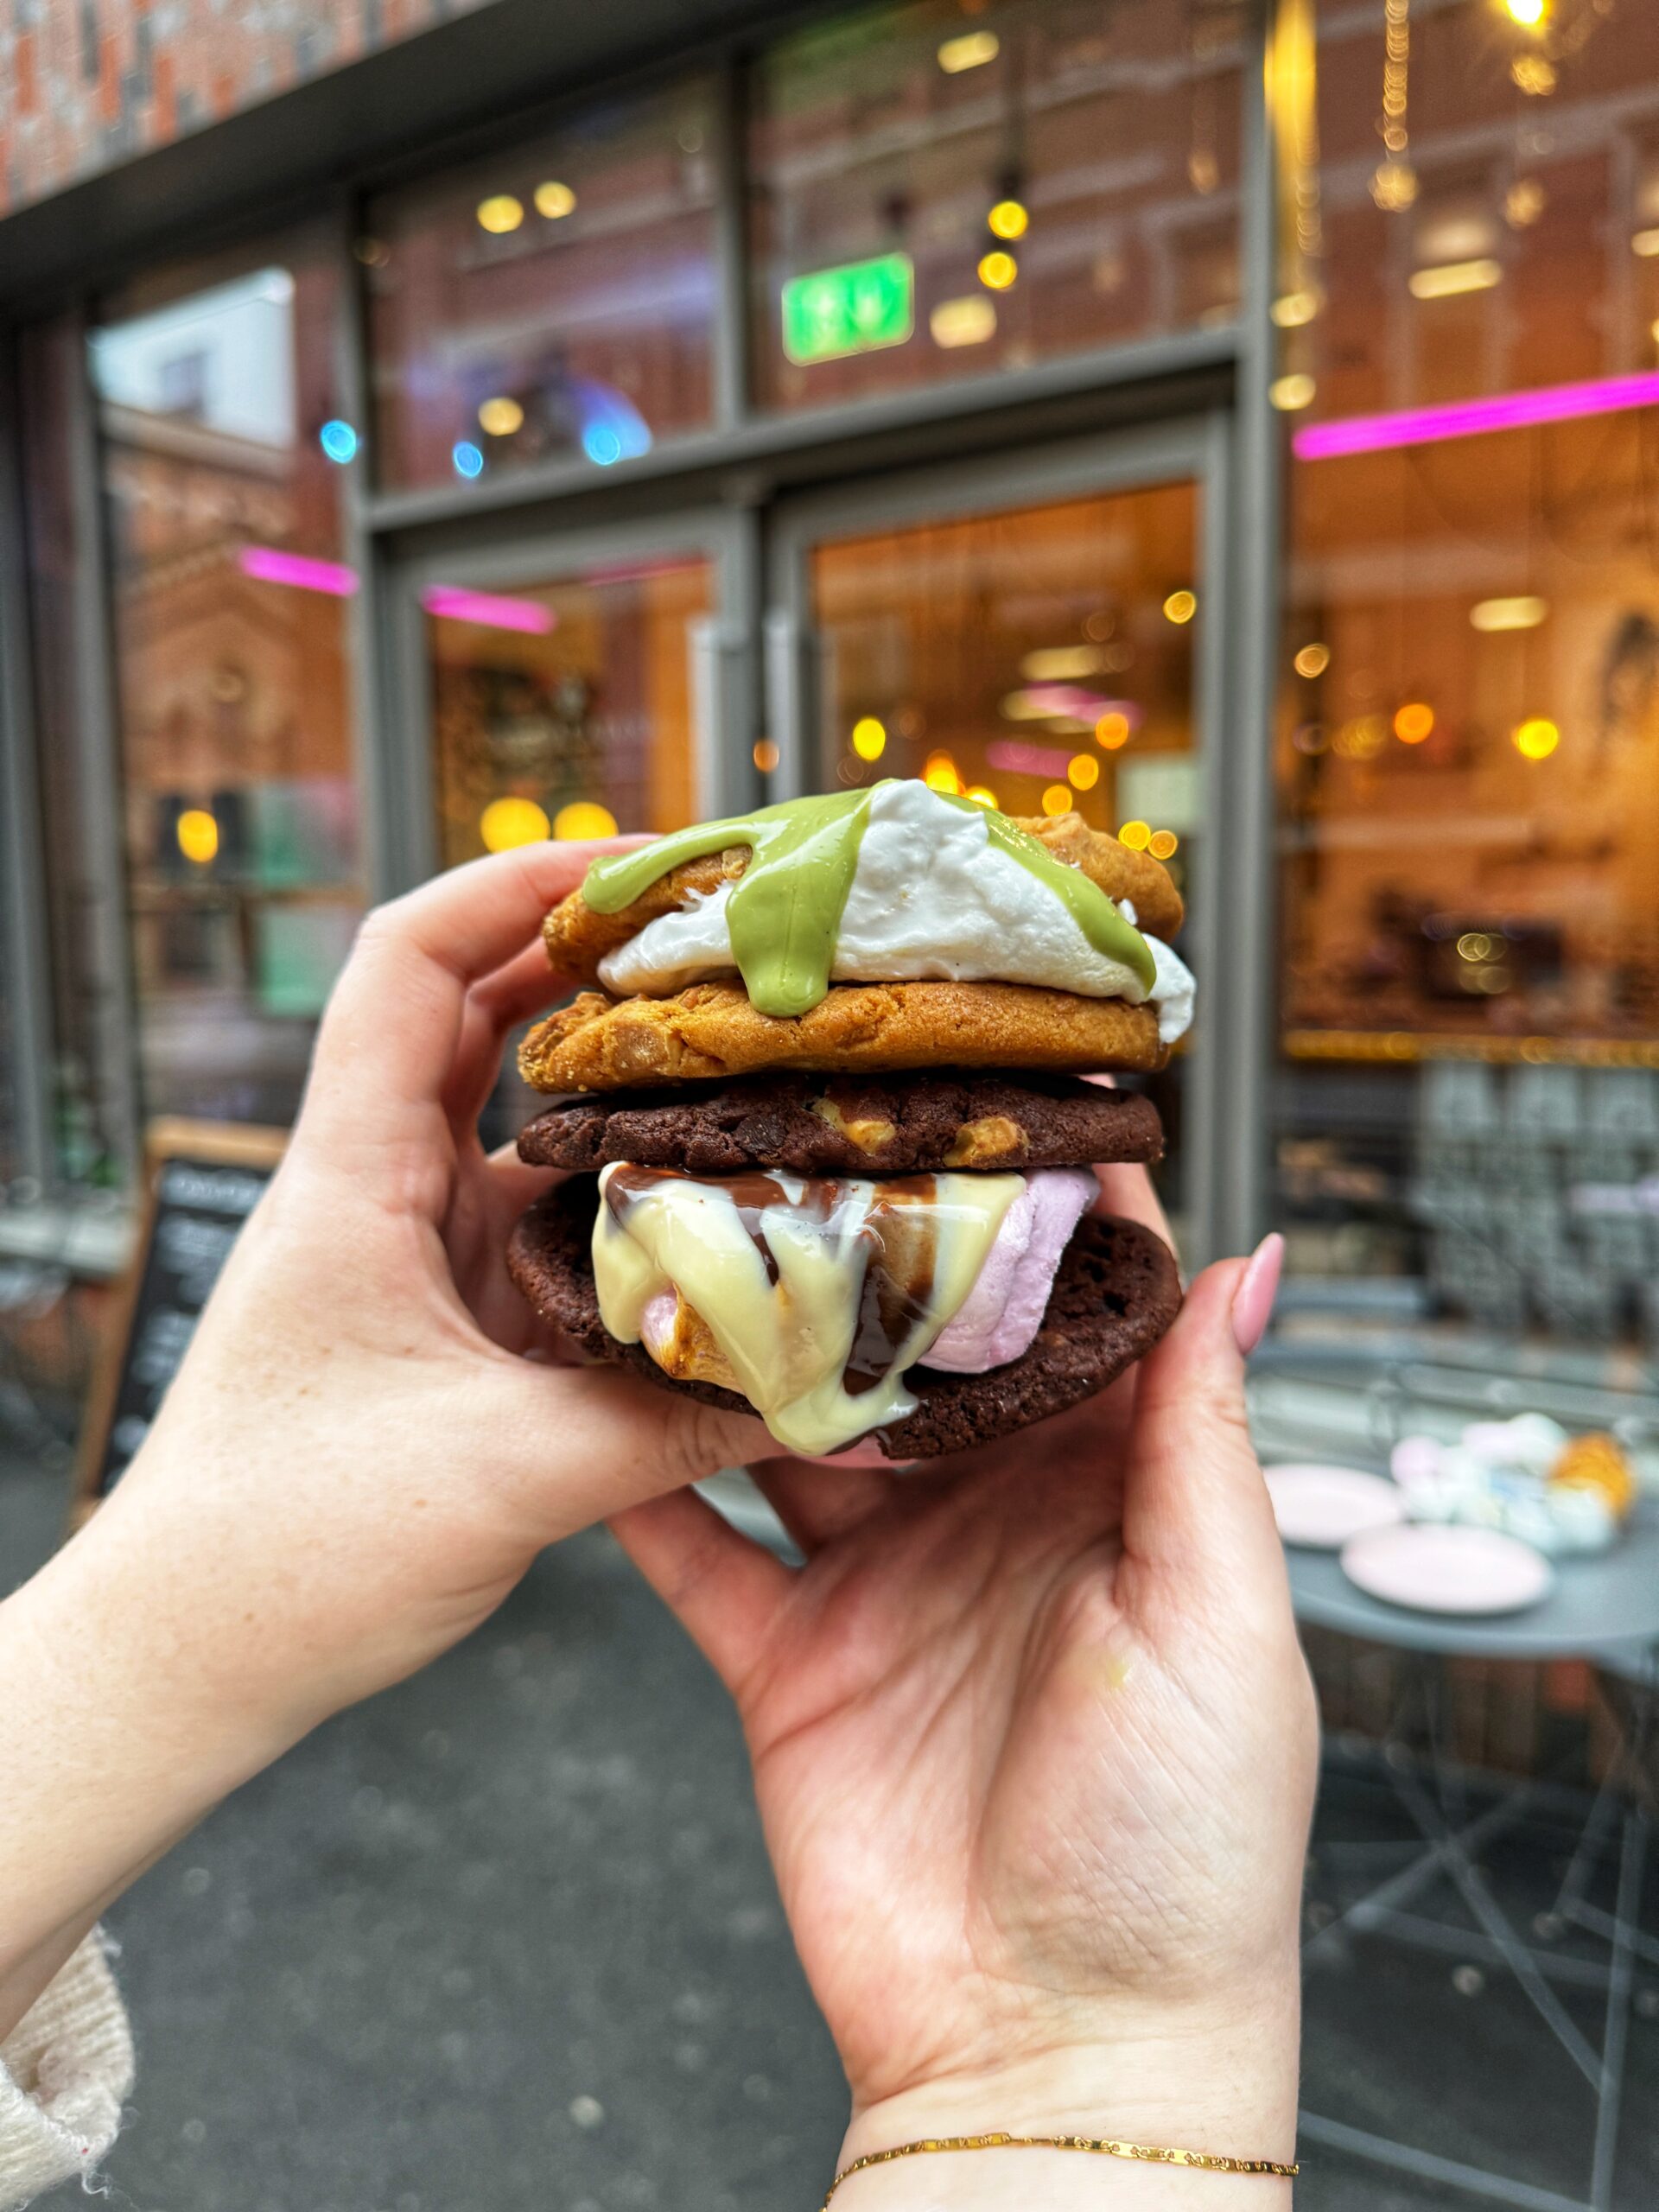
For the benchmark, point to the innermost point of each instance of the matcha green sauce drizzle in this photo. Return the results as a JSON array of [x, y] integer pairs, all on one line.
[[785, 910]]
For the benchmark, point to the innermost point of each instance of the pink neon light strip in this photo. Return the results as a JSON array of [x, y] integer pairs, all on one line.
[[488, 610], [1468, 418], [1015, 759], [268, 566]]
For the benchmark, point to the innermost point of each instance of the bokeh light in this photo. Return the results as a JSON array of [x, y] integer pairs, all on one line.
[[1137, 836], [1009, 219], [1082, 772], [500, 213], [1312, 660], [982, 795], [338, 441], [1057, 799], [508, 822], [198, 835], [1412, 722], [554, 199], [765, 756], [1180, 606], [501, 416], [998, 270], [1112, 730], [940, 774], [1162, 843], [1536, 738], [465, 458], [869, 738], [584, 818]]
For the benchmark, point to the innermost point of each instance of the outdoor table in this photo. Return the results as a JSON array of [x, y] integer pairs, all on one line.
[[1603, 1610]]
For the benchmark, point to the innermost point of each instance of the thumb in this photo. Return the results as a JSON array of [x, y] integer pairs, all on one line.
[[592, 1441], [1196, 1508]]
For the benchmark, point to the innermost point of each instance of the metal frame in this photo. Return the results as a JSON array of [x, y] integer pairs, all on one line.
[[713, 487], [1197, 450]]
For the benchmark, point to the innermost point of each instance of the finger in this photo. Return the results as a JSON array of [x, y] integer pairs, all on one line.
[[389, 1036], [815, 1501], [494, 1008], [1126, 1189], [514, 1184], [1196, 1508], [727, 1592]]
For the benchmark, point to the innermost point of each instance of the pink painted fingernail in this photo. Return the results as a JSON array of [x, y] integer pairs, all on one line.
[[1257, 1288]]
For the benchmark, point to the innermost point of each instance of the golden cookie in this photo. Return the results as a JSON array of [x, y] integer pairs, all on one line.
[[710, 1030], [577, 939]]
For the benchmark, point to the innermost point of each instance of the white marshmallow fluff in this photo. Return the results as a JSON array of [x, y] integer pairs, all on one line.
[[933, 900]]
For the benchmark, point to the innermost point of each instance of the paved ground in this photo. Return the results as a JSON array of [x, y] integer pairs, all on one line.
[[504, 1941]]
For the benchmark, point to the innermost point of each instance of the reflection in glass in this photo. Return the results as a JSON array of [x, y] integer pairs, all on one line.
[[556, 302], [1469, 711], [566, 708], [239, 802], [1041, 658], [933, 200]]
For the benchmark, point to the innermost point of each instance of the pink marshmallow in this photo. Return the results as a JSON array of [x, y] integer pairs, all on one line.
[[1001, 1314]]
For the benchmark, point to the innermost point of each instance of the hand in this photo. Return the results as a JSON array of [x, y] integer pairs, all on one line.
[[356, 1461], [1034, 1748]]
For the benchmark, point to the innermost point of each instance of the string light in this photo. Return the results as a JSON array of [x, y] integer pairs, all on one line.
[[1180, 606], [1112, 730], [500, 213], [1289, 393], [869, 738], [1082, 772], [1412, 722], [1137, 836], [997, 271], [1312, 660], [1394, 183], [1009, 219], [1162, 843], [198, 835], [554, 199]]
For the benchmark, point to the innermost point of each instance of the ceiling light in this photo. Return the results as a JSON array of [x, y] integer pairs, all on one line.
[[971, 51], [1524, 613], [1448, 278], [969, 321]]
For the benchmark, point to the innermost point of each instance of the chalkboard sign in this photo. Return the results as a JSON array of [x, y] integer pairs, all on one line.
[[202, 1180]]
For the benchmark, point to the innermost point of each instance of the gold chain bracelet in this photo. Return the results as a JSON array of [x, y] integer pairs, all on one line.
[[1103, 2146]]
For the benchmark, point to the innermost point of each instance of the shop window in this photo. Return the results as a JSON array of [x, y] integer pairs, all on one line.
[[556, 302], [222, 447], [939, 190], [1468, 749]]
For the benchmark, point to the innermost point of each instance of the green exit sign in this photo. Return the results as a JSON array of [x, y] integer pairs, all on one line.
[[854, 309]]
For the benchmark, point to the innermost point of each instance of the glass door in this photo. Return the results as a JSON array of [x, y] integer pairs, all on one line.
[[577, 684], [1038, 631]]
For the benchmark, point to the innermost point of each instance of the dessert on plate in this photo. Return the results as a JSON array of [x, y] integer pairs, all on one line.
[[832, 1156]]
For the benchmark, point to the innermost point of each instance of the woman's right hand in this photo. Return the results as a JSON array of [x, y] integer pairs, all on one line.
[[1035, 1746]]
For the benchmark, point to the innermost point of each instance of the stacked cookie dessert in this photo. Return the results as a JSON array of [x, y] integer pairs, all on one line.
[[834, 1160]]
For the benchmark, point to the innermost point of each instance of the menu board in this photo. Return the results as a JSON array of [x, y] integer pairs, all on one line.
[[202, 1180]]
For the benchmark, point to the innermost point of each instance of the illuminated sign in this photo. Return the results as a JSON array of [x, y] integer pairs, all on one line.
[[852, 309]]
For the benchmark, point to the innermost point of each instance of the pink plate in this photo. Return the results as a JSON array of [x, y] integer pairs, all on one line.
[[1322, 1506], [1436, 1569]]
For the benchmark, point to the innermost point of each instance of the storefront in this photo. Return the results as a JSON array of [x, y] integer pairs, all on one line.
[[1241, 428]]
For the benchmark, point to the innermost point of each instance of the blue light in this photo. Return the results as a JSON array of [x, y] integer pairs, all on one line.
[[468, 461], [600, 443], [338, 441]]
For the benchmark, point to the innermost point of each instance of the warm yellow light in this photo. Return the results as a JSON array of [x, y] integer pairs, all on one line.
[[980, 794], [501, 416], [584, 818], [1057, 799], [1524, 613], [198, 835], [1292, 309], [1412, 722], [998, 270], [1137, 836], [967, 322], [1112, 730], [1536, 738], [1008, 219], [765, 756], [1646, 243], [1476, 944], [1447, 278], [1312, 660], [1362, 738], [1082, 772], [505, 822], [1162, 843], [554, 199], [1289, 393], [940, 774], [1059, 664], [1528, 13], [1180, 606], [869, 738], [500, 212], [971, 51], [1533, 75]]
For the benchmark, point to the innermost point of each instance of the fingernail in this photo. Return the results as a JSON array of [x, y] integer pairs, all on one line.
[[1257, 1288]]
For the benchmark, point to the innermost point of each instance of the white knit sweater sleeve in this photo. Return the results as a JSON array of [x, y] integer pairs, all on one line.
[[64, 2070]]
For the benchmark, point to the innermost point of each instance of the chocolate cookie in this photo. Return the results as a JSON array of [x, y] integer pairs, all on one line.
[[711, 1031], [1115, 1293], [858, 1125]]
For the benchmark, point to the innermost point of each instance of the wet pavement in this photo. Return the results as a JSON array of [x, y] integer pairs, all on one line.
[[505, 1940]]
